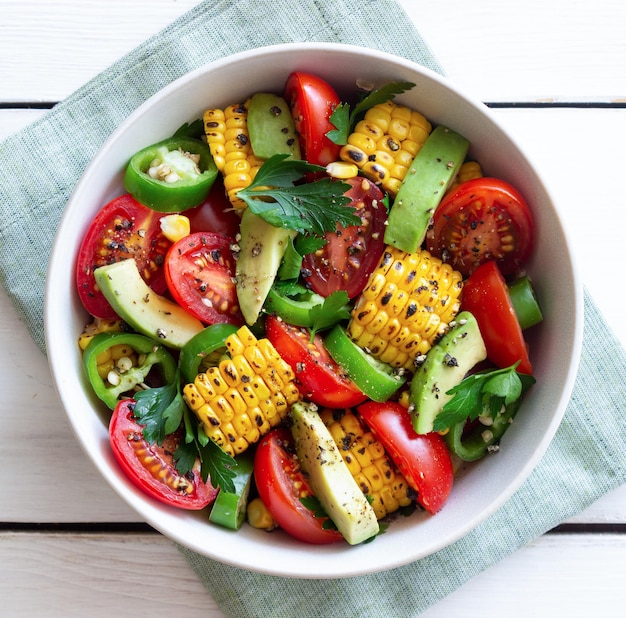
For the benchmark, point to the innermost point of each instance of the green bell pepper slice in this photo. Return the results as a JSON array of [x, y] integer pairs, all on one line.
[[481, 439], [172, 175], [525, 302], [229, 508], [211, 340], [151, 355], [293, 310], [376, 379]]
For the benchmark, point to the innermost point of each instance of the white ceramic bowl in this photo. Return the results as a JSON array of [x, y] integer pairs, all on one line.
[[555, 344]]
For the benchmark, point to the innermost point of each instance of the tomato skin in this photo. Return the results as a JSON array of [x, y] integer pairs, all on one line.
[[130, 450], [122, 229], [350, 254], [200, 274], [215, 214], [312, 100], [483, 219], [281, 484], [485, 295], [423, 459], [319, 378]]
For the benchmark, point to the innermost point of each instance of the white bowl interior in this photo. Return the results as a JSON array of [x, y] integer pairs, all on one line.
[[555, 344]]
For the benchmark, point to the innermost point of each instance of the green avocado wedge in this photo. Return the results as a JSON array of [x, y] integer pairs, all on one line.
[[148, 313], [427, 179], [445, 366]]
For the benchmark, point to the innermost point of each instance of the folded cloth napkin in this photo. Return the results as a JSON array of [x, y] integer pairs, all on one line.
[[39, 167]]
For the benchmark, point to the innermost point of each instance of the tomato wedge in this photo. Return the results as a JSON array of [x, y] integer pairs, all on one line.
[[282, 485], [151, 467], [485, 295], [312, 101], [215, 214], [319, 377], [200, 274], [423, 459], [122, 229], [350, 254], [483, 219]]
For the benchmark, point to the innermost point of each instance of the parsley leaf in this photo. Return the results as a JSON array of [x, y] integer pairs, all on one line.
[[311, 207], [344, 120], [485, 392], [193, 129], [332, 310], [160, 409]]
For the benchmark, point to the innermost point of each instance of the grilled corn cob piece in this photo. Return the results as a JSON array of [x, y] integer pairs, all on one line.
[[368, 462], [468, 171], [385, 142], [406, 305], [228, 139], [250, 391]]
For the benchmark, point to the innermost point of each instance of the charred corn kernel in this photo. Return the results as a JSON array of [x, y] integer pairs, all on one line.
[[98, 325], [342, 170], [407, 304], [468, 171], [385, 142], [227, 135], [368, 462], [175, 227], [258, 515], [246, 394]]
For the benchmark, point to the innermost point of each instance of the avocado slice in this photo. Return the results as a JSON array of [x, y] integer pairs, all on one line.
[[148, 313], [330, 479], [427, 179], [271, 127], [261, 249], [445, 366]]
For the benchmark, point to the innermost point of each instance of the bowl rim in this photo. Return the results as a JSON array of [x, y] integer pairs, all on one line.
[[152, 513]]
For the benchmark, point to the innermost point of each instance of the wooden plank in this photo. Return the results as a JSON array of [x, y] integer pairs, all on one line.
[[533, 50], [122, 574]]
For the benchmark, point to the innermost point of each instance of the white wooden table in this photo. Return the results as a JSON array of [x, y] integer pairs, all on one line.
[[555, 73]]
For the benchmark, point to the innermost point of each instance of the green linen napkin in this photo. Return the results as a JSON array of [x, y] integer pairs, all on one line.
[[39, 167]]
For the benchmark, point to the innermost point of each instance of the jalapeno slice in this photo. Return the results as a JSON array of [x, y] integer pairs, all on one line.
[[473, 443], [199, 347], [119, 363], [172, 175], [377, 380]]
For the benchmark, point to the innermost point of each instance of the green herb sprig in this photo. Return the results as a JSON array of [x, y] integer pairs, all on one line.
[[345, 119], [309, 208], [482, 394], [162, 410]]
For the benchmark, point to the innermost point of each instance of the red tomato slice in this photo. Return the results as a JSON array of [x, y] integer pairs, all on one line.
[[200, 274], [318, 376], [215, 214], [350, 254], [485, 295], [423, 459], [151, 467], [312, 101], [122, 229], [484, 219], [281, 485]]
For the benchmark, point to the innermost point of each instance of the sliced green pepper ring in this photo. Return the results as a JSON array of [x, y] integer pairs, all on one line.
[[376, 379], [481, 439], [125, 377], [172, 175], [208, 341], [525, 302], [296, 311]]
